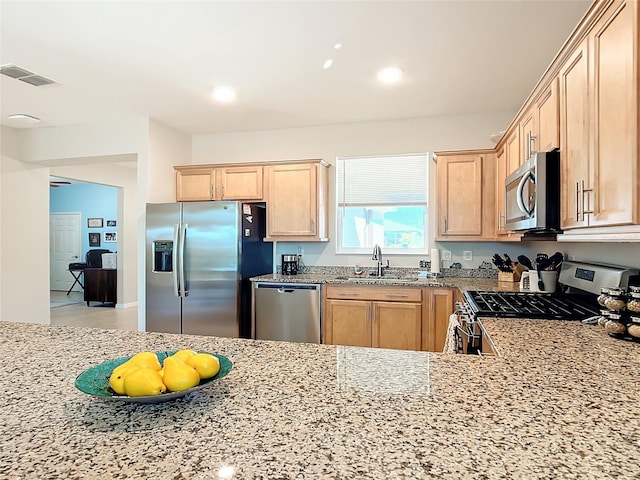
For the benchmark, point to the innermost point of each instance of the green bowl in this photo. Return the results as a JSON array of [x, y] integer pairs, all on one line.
[[95, 381]]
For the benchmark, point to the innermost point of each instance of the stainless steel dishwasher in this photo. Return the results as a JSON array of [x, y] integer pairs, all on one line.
[[286, 311]]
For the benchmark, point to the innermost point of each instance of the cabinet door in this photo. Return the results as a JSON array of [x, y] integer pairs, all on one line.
[[397, 325], [437, 309], [240, 183], [501, 175], [548, 117], [512, 147], [574, 148], [460, 195], [292, 200], [528, 134], [615, 121], [347, 322], [195, 184]]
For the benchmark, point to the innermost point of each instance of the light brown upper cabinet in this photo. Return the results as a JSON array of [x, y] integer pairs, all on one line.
[[466, 195], [528, 134], [512, 149], [296, 196], [208, 182], [240, 183], [599, 125], [575, 163], [501, 174], [547, 114], [195, 183]]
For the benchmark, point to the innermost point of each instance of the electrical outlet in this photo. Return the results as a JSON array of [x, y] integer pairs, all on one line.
[[571, 257], [300, 252], [467, 255], [446, 255]]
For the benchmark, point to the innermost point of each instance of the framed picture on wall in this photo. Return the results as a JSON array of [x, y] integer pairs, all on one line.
[[94, 239], [111, 223], [94, 222], [110, 237]]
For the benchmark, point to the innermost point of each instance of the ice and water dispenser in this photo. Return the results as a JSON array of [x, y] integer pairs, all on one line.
[[162, 256]]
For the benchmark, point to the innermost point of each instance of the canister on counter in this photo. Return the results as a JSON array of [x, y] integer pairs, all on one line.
[[616, 300]]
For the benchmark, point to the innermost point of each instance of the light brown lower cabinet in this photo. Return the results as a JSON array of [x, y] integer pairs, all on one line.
[[386, 317]]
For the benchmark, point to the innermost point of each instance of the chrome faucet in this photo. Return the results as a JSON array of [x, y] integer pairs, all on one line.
[[377, 255]]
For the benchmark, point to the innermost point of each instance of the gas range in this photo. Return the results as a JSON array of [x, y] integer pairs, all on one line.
[[579, 286], [579, 282], [531, 305]]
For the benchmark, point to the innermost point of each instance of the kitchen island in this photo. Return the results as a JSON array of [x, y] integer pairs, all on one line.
[[561, 402]]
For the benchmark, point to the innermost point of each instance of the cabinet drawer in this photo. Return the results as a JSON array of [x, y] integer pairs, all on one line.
[[387, 294]]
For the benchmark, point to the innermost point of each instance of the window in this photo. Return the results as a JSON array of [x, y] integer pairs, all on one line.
[[382, 200]]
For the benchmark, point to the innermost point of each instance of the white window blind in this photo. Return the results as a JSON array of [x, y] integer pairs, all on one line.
[[401, 179]]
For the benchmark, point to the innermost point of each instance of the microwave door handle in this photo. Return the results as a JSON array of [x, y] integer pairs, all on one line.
[[519, 192]]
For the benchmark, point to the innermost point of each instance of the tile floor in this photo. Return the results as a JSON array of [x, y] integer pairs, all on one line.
[[72, 310]]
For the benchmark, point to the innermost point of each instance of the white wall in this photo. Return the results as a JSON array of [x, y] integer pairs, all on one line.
[[328, 142], [24, 233], [27, 178], [167, 147]]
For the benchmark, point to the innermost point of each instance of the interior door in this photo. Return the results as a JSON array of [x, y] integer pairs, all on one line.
[[64, 248]]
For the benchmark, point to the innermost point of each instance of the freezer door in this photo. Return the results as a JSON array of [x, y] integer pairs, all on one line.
[[211, 263], [162, 302]]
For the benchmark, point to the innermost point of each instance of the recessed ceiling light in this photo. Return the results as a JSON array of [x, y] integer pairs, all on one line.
[[327, 64], [23, 116], [223, 94], [390, 75], [337, 46]]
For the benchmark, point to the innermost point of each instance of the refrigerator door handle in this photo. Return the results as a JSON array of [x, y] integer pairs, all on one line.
[[174, 261], [181, 270]]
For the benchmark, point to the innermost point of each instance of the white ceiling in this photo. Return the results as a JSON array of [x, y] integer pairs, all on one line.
[[118, 59]]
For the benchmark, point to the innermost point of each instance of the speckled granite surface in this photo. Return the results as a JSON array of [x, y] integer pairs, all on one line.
[[464, 283], [562, 403]]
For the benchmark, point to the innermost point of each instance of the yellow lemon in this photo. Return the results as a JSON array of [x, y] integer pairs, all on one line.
[[146, 359], [142, 382], [205, 364], [178, 375], [116, 380], [184, 354]]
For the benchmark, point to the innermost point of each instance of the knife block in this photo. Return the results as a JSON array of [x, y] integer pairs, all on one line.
[[508, 277]]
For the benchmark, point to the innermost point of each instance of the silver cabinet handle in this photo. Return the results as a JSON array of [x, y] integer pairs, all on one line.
[[445, 224], [350, 294], [577, 201], [210, 192], [584, 190], [397, 295]]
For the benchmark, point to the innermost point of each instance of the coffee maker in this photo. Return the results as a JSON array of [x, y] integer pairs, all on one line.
[[290, 264]]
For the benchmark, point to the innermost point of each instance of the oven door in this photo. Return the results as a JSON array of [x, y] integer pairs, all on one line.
[[520, 197]]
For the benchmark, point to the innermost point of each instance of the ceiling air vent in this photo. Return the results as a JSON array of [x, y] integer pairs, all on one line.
[[25, 75]]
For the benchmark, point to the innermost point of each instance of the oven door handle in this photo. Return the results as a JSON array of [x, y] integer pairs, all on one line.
[[519, 192]]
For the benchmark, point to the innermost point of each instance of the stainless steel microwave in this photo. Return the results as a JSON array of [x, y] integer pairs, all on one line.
[[532, 194]]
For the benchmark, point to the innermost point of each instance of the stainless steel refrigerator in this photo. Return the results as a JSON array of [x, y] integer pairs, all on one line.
[[199, 258]]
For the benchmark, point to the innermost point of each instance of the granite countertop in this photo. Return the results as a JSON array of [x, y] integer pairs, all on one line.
[[560, 403], [463, 283]]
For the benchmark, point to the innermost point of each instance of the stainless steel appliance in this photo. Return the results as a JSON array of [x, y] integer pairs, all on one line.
[[199, 258], [532, 194], [287, 311], [580, 283], [290, 264]]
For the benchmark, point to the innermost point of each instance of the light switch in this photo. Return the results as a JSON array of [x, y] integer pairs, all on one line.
[[446, 255]]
